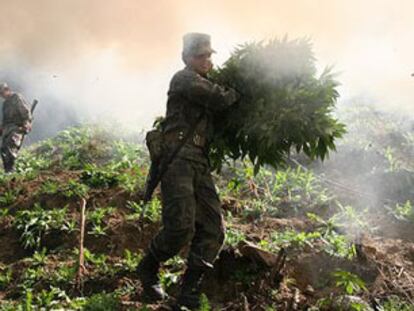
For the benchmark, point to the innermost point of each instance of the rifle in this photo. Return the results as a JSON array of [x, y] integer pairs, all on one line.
[[160, 167], [32, 109]]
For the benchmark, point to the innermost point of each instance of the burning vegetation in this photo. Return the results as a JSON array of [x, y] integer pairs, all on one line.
[[306, 236]]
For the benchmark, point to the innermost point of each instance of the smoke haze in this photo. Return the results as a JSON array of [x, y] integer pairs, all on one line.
[[94, 60]]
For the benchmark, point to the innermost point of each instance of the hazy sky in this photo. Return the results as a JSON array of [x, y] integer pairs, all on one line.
[[114, 58]]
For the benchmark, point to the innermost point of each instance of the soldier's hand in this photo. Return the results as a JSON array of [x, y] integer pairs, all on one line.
[[235, 96], [28, 128]]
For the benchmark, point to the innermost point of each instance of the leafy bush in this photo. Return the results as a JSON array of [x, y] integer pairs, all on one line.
[[126, 174], [330, 242], [8, 197], [29, 163], [293, 238], [57, 299], [64, 273], [74, 189], [81, 145], [31, 276], [99, 262], [234, 236], [204, 303], [50, 299], [37, 222], [5, 276], [131, 260], [394, 303], [338, 245], [96, 218], [97, 177], [404, 211], [152, 210], [69, 189], [349, 282], [102, 302], [129, 154], [50, 187], [283, 104], [273, 192]]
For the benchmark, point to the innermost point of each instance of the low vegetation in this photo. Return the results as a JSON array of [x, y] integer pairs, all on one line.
[[334, 245]]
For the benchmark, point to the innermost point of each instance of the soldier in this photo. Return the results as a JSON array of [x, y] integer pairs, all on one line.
[[191, 207], [16, 124]]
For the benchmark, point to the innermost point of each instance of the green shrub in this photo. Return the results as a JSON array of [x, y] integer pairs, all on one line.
[[131, 260], [234, 236], [8, 197], [5, 276], [152, 210], [404, 211], [204, 303], [74, 189], [349, 282], [50, 187], [99, 177], [395, 303], [96, 218], [284, 104], [37, 222], [102, 302]]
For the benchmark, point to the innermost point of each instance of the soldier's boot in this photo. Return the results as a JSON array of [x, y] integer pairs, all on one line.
[[147, 271], [8, 166], [189, 297]]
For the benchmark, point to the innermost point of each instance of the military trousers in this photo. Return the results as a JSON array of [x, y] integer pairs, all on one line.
[[191, 214], [12, 140]]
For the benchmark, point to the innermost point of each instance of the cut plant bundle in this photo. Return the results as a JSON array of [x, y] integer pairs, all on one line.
[[284, 105]]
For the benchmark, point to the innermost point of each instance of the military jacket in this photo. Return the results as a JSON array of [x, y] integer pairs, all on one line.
[[15, 111], [191, 95]]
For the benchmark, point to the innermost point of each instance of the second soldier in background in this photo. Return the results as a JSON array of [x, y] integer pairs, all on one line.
[[17, 122]]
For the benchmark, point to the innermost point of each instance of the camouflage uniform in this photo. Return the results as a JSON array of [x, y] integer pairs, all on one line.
[[16, 117], [191, 207]]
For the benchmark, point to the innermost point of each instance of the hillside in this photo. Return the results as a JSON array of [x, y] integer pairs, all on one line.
[[310, 236]]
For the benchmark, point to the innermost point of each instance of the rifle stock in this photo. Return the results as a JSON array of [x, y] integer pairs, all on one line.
[[151, 182]]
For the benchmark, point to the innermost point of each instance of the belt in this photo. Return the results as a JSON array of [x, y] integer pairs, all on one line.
[[196, 140]]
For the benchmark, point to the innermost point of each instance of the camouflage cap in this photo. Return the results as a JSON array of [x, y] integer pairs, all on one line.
[[3, 87], [197, 44]]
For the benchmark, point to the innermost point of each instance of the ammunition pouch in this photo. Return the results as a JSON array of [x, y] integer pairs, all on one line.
[[155, 144]]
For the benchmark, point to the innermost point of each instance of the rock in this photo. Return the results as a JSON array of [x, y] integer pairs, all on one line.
[[347, 303], [309, 290], [257, 254]]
